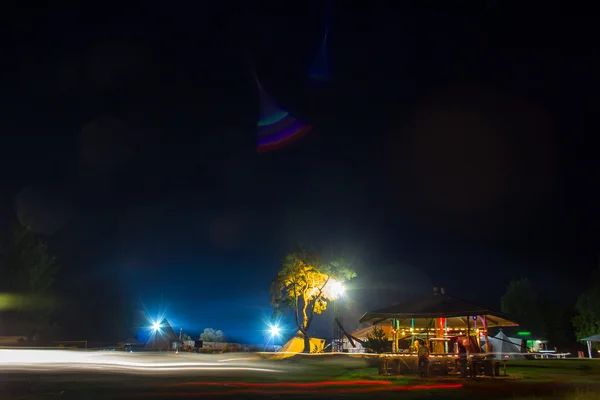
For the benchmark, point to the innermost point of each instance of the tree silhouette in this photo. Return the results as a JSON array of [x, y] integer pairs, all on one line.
[[29, 269], [520, 302], [376, 340], [587, 320]]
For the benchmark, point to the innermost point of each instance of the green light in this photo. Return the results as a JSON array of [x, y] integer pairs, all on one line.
[[524, 333], [272, 119]]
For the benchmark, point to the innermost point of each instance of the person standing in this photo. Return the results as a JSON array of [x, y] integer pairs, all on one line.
[[423, 352], [462, 358]]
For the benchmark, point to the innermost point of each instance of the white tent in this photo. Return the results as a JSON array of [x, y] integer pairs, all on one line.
[[589, 340], [504, 347]]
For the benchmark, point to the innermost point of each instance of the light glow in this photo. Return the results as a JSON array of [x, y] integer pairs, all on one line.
[[55, 360], [334, 289], [274, 330]]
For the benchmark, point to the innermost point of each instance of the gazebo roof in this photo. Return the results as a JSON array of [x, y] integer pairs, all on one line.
[[437, 305], [593, 338]]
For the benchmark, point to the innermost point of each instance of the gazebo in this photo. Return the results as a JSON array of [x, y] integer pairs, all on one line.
[[589, 340], [438, 317]]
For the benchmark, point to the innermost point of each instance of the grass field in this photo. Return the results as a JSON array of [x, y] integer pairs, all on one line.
[[573, 379], [325, 376]]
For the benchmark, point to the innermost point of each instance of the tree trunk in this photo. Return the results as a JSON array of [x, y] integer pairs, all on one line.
[[305, 324], [306, 343]]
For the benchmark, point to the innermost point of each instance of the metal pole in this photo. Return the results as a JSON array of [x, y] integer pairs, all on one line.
[[468, 334], [487, 342], [393, 323], [335, 327], [396, 327], [338, 334], [446, 344], [427, 332]]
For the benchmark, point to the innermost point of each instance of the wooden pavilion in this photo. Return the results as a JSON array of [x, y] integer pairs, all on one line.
[[436, 318], [444, 322]]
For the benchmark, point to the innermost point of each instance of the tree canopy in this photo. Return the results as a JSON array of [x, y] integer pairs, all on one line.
[[25, 260], [306, 282], [28, 271], [376, 340], [587, 320], [520, 302], [211, 335]]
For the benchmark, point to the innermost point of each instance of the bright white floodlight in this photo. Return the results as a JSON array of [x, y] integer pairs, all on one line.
[[336, 289], [274, 330], [156, 326]]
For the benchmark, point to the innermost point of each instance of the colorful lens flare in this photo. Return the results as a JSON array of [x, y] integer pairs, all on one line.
[[276, 127]]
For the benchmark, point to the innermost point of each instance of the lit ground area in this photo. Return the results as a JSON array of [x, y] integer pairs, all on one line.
[[104, 375]]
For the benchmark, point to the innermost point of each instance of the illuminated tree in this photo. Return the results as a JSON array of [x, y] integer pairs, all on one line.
[[210, 335], [306, 283]]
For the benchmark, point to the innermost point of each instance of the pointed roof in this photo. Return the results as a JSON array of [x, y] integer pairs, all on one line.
[[163, 338], [167, 330], [437, 305], [593, 338], [504, 344]]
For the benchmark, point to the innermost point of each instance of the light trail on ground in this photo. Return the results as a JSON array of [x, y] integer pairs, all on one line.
[[27, 360], [317, 388], [284, 384]]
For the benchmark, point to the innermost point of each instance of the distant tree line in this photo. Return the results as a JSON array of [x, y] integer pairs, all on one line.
[[28, 272], [561, 323]]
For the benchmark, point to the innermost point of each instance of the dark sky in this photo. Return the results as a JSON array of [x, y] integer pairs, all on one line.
[[455, 147]]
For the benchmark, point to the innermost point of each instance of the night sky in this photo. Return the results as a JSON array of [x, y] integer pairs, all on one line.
[[457, 147]]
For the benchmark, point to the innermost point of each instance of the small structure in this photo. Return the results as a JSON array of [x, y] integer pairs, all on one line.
[[505, 347], [163, 338], [296, 345], [130, 344], [438, 316], [528, 341], [12, 340], [589, 340]]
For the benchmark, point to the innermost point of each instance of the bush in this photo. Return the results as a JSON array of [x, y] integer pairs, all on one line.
[[376, 340]]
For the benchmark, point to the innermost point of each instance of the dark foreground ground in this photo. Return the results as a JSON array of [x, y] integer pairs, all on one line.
[[301, 377]]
